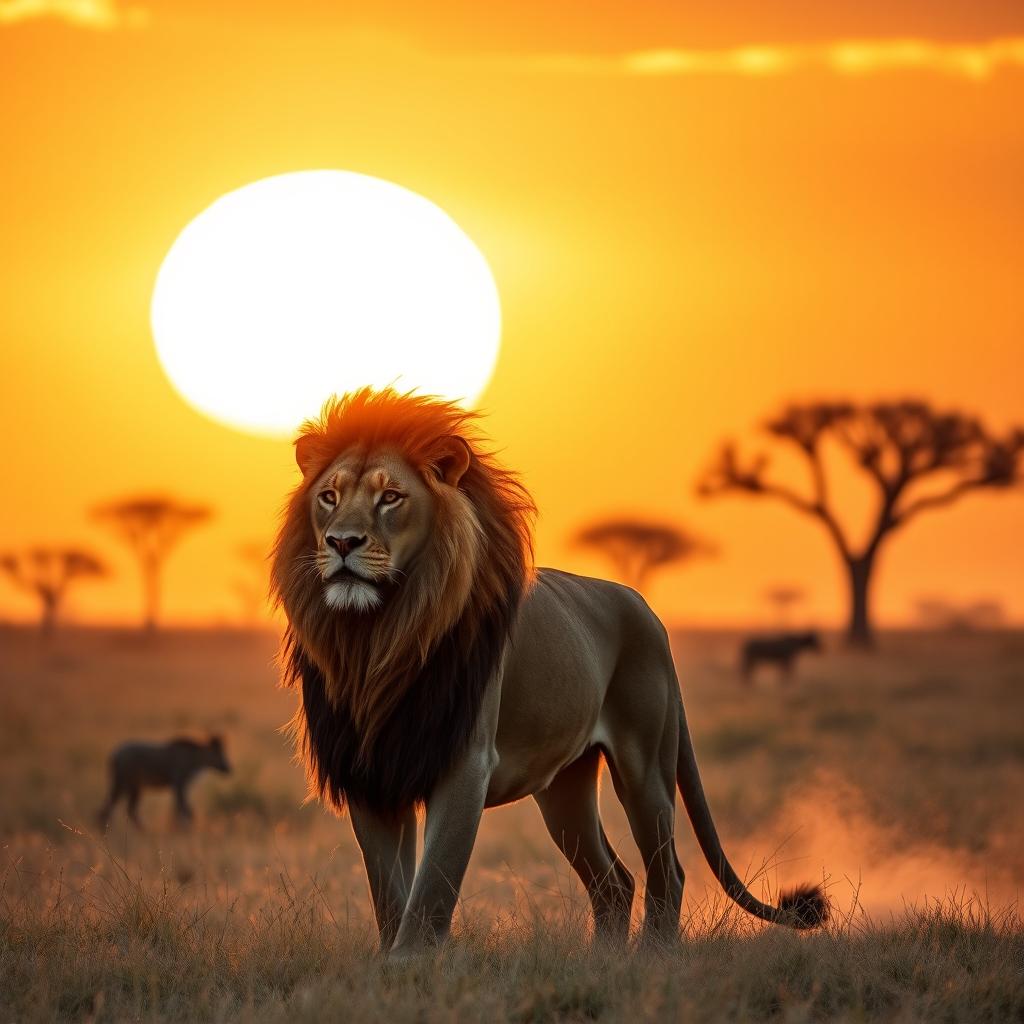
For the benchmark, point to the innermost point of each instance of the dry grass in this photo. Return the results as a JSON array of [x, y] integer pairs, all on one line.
[[900, 774], [123, 950]]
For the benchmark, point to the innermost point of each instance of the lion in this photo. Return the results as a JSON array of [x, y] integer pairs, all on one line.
[[437, 669]]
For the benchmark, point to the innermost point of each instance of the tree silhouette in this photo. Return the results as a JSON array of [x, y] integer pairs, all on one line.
[[637, 547], [917, 457], [251, 588], [782, 597], [956, 617], [151, 526], [48, 573]]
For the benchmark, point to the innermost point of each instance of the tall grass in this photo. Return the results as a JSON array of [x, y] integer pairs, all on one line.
[[122, 947], [904, 770]]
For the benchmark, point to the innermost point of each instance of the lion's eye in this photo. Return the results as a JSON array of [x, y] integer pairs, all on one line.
[[328, 497], [390, 497]]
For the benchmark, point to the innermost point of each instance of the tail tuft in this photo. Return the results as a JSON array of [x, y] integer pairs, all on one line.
[[803, 907]]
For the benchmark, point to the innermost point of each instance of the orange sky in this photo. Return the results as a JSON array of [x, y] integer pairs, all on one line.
[[682, 241]]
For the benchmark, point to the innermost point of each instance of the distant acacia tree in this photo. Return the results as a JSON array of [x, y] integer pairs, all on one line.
[[638, 547], [782, 597], [959, 617], [151, 526], [918, 458], [251, 587], [48, 573]]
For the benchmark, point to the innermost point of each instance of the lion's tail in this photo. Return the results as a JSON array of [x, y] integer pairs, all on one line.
[[803, 907]]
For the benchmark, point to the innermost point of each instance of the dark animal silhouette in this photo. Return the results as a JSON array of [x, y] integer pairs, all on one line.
[[780, 650], [173, 765]]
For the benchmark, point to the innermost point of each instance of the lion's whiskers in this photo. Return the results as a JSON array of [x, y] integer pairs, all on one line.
[[307, 566]]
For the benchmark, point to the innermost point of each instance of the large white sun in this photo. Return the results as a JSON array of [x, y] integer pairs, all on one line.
[[304, 285]]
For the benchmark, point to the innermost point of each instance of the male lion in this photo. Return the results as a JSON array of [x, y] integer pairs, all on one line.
[[437, 669]]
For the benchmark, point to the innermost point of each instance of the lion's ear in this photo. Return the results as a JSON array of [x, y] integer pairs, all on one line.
[[454, 459], [305, 452]]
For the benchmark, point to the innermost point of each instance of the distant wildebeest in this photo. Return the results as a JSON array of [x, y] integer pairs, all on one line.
[[780, 650], [173, 765]]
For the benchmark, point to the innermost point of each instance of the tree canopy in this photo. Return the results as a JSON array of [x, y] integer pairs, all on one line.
[[919, 458], [638, 547], [48, 573], [151, 526]]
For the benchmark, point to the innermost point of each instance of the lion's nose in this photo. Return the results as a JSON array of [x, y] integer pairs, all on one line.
[[345, 544]]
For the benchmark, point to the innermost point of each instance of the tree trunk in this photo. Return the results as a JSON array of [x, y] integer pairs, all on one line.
[[151, 592], [860, 632], [48, 622]]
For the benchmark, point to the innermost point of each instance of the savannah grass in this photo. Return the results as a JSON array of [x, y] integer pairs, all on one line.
[[124, 949], [915, 763]]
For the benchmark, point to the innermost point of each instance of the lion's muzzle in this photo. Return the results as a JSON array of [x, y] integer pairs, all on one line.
[[344, 544]]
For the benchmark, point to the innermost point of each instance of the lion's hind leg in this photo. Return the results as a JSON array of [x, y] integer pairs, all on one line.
[[646, 789], [570, 810]]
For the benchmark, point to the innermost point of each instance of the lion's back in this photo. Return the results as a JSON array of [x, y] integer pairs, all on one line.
[[573, 630], [597, 607], [572, 635]]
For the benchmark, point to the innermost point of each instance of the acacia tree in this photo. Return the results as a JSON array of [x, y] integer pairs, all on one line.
[[48, 573], [782, 597], [637, 547], [954, 616], [918, 459], [151, 526], [251, 588]]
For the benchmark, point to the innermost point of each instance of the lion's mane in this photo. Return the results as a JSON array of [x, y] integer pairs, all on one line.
[[390, 700]]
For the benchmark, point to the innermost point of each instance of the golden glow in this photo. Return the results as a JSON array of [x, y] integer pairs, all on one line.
[[318, 282], [853, 57], [696, 213], [95, 14]]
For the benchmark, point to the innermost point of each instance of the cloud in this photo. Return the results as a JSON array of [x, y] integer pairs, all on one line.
[[844, 57], [94, 14]]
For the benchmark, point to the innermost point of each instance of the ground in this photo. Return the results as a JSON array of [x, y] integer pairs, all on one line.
[[895, 777]]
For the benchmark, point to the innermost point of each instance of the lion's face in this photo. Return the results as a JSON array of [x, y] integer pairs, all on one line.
[[371, 517], [401, 556]]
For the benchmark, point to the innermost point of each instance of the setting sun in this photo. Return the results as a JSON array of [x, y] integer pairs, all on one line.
[[411, 408], [302, 285]]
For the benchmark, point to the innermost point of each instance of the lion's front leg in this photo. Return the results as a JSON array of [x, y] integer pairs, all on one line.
[[388, 845], [453, 817]]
